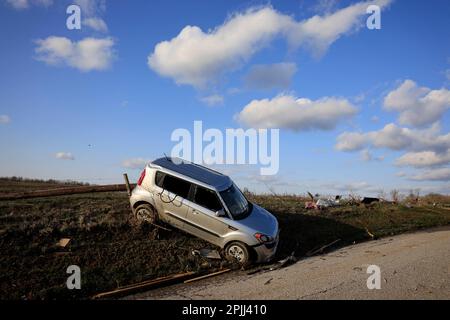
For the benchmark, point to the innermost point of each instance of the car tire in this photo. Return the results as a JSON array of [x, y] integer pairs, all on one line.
[[145, 213], [238, 252]]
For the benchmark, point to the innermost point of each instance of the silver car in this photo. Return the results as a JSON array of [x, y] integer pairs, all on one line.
[[208, 205]]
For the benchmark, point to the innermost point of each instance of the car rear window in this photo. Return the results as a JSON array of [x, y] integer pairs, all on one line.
[[159, 178], [207, 199], [175, 185]]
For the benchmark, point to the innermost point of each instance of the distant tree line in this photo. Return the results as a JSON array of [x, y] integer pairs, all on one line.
[[48, 181]]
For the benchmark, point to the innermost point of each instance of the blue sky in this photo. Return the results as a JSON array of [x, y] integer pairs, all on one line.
[[93, 103]]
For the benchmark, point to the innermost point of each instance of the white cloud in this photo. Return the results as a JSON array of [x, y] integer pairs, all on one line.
[[18, 4], [4, 119], [91, 11], [197, 58], [213, 100], [367, 156], [324, 6], [85, 55], [417, 106], [24, 4], [433, 175], [268, 76], [64, 156], [351, 141], [350, 187], [319, 32], [286, 111], [424, 159], [395, 138], [97, 24], [135, 163], [91, 8]]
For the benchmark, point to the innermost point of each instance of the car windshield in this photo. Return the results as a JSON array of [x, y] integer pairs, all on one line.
[[236, 202]]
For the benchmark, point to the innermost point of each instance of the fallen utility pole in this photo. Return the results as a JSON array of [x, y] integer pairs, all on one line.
[[209, 275], [64, 191], [321, 249], [142, 286]]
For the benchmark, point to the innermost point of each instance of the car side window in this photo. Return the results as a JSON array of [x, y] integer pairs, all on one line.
[[207, 199], [159, 178], [175, 185]]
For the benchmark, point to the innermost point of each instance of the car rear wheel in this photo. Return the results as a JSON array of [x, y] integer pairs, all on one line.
[[237, 251], [146, 213]]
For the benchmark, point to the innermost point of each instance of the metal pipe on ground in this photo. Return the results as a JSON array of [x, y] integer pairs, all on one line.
[[127, 184]]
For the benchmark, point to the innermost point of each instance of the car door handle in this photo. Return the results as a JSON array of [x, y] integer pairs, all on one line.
[[194, 211]]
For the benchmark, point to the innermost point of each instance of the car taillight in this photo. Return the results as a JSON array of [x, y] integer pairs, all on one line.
[[141, 178]]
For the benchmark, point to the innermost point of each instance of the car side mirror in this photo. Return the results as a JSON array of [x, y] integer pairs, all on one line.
[[220, 213]]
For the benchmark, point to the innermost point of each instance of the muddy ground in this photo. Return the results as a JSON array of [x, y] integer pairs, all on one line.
[[112, 250]]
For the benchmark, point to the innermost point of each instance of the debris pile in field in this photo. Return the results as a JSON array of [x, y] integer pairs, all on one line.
[[321, 202]]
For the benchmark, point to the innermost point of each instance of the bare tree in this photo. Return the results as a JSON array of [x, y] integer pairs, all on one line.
[[382, 194], [395, 195]]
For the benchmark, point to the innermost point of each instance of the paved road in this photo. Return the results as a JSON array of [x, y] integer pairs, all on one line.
[[413, 266]]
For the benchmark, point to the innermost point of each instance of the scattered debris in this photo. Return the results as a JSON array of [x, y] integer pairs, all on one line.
[[370, 233], [291, 259], [258, 270], [268, 281], [126, 290], [368, 200], [285, 262], [63, 242], [207, 275], [321, 203], [310, 205], [326, 203], [210, 254], [207, 253]]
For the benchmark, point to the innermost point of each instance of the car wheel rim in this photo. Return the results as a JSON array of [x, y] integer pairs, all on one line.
[[145, 215], [237, 253]]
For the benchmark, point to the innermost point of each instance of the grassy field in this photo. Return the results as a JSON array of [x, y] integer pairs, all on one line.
[[112, 250]]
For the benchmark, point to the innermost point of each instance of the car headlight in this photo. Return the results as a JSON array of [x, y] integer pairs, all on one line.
[[263, 238]]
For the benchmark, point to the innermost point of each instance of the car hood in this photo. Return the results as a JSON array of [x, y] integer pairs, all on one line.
[[261, 220]]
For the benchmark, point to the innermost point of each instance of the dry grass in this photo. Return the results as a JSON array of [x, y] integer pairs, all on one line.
[[111, 251]]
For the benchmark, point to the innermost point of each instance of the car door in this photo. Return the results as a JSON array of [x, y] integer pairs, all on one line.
[[201, 215], [173, 195]]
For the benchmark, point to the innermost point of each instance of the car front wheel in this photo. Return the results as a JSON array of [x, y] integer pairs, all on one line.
[[239, 252]]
